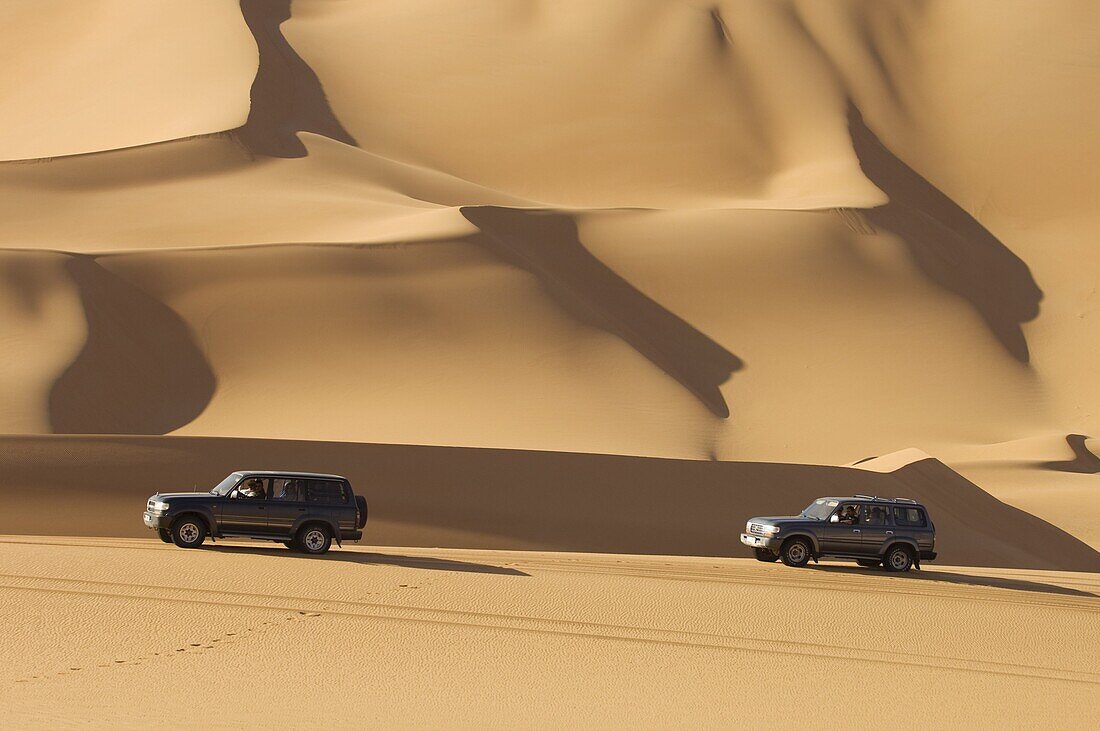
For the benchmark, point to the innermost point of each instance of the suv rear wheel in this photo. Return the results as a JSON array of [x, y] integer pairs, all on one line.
[[188, 531], [314, 538], [898, 558], [795, 552]]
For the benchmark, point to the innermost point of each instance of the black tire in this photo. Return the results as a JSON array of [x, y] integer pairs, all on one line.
[[164, 534], [899, 558], [291, 544], [189, 531], [763, 554], [314, 538], [796, 552], [868, 563]]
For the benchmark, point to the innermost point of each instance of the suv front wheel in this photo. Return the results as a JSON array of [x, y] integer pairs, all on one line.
[[188, 531], [314, 538], [795, 552], [898, 558]]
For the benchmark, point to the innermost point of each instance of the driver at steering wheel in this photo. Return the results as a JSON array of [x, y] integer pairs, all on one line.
[[254, 488]]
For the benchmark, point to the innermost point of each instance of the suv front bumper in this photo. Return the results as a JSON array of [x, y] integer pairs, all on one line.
[[767, 542], [156, 521]]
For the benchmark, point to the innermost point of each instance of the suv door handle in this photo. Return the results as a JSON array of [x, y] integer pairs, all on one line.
[[889, 532], [301, 510], [855, 530]]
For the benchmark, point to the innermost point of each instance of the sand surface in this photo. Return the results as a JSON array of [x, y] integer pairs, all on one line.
[[406, 637]]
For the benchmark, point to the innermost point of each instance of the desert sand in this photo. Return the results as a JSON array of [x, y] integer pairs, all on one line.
[[573, 277], [406, 637]]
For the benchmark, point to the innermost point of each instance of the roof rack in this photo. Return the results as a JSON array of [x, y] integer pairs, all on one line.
[[887, 499]]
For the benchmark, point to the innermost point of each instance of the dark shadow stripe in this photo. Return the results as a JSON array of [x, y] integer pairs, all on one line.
[[546, 244], [140, 371], [949, 245], [287, 97], [1084, 461]]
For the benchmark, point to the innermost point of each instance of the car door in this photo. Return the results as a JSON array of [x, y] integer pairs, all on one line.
[[875, 527], [842, 536], [286, 504], [245, 515]]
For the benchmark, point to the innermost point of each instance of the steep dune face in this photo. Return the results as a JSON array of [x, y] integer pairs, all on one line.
[[612, 103]]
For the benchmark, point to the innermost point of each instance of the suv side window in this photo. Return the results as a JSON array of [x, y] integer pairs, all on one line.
[[288, 489], [329, 492], [252, 488], [911, 517], [874, 515], [848, 514]]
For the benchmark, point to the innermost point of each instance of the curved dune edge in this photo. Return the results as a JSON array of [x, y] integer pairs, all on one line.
[[511, 499], [107, 75], [140, 371]]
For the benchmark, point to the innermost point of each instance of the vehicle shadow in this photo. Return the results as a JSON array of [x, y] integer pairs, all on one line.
[[412, 562], [963, 579]]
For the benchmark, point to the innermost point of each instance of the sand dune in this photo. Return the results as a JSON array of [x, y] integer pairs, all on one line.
[[505, 639], [355, 136], [510, 499]]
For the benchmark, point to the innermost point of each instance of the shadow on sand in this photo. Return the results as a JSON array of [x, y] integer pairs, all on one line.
[[286, 97], [948, 244], [962, 579], [1084, 462], [383, 559], [547, 244]]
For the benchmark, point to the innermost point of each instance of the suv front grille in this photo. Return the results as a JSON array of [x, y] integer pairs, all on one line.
[[149, 505], [756, 529]]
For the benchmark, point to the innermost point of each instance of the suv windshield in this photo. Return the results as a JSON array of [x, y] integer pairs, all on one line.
[[820, 509], [223, 487]]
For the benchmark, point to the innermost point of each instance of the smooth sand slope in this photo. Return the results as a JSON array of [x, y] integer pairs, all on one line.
[[405, 637]]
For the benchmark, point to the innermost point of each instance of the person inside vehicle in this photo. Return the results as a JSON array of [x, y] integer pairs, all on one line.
[[289, 490], [877, 516], [254, 488], [849, 515]]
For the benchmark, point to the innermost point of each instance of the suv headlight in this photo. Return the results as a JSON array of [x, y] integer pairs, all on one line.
[[160, 505], [771, 530]]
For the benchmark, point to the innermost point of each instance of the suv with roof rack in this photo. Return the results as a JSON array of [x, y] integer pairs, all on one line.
[[896, 533], [305, 511]]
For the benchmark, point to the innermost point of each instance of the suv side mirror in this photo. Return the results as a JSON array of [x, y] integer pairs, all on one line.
[[834, 518]]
